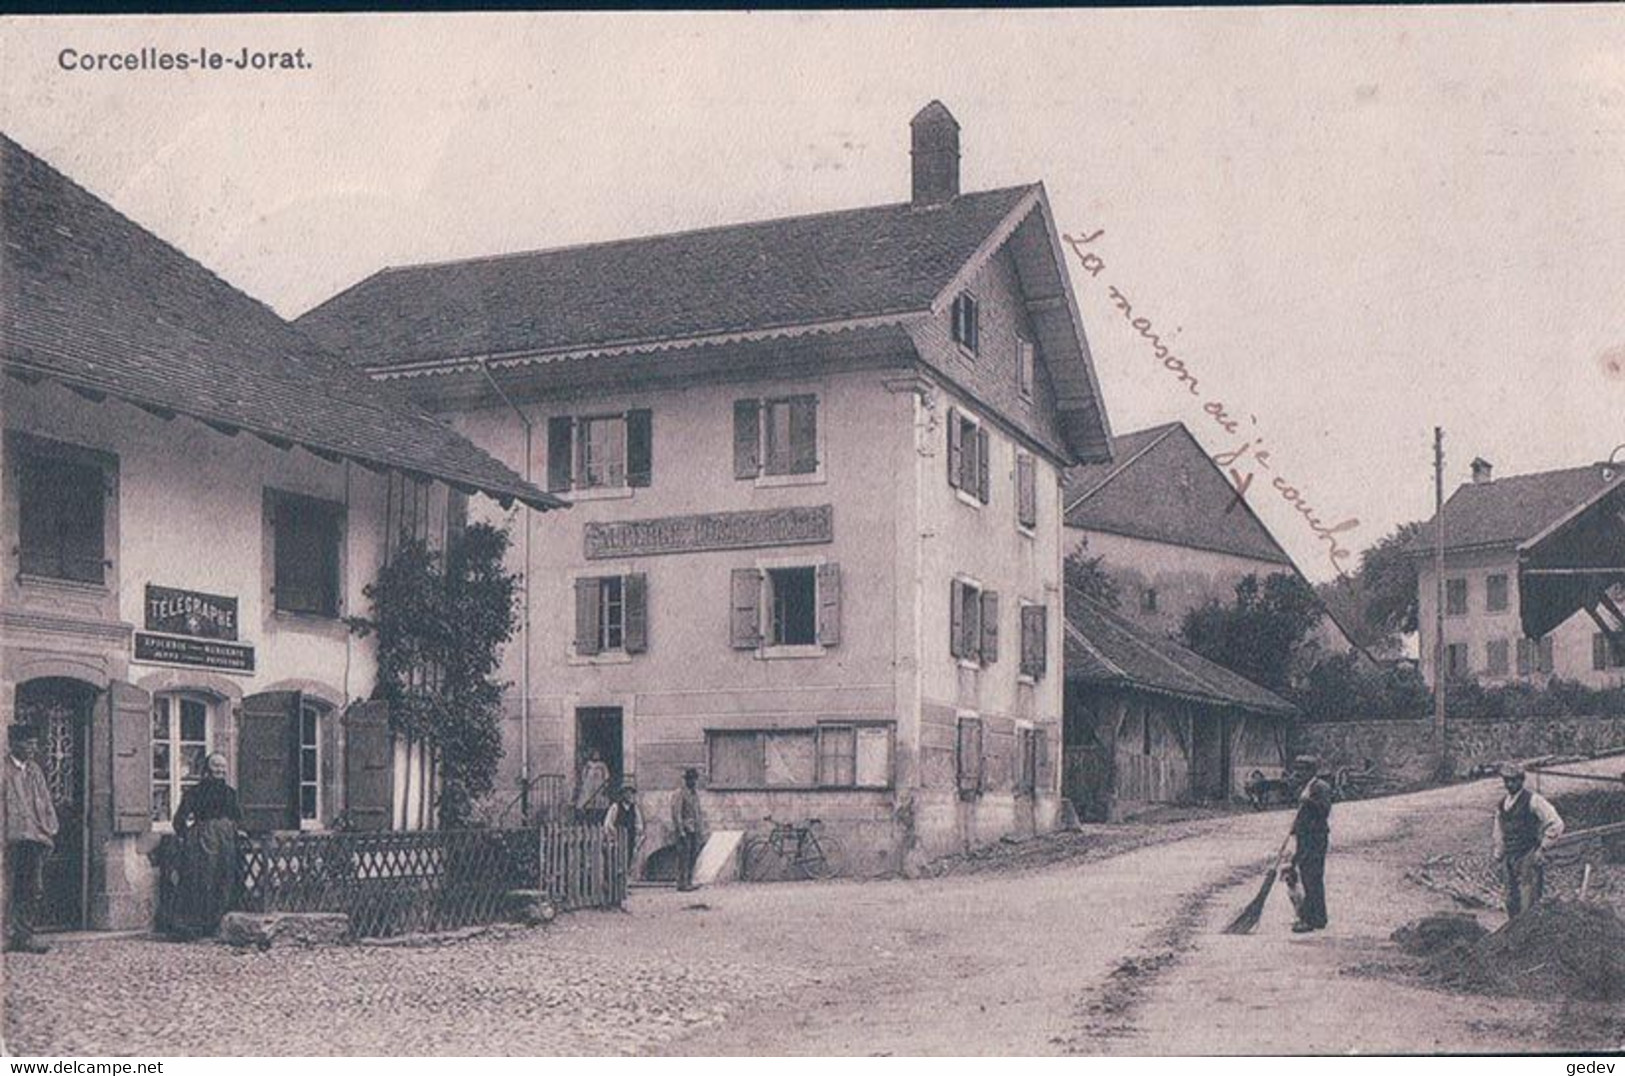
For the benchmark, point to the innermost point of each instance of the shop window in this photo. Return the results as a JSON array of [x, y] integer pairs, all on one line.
[[307, 537], [830, 755], [612, 614], [600, 452], [181, 734], [61, 514]]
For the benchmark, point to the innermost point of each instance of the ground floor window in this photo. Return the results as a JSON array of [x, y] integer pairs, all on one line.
[[969, 763], [181, 738], [829, 755], [310, 763]]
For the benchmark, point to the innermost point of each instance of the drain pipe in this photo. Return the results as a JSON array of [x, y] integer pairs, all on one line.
[[524, 624]]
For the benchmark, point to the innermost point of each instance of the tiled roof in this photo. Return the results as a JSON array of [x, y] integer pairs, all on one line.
[[1163, 487], [841, 266], [92, 300], [1510, 511], [1106, 650]]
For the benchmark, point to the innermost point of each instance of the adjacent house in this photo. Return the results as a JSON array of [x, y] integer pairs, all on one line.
[[1148, 721], [1173, 532], [1531, 568], [194, 499], [815, 464]]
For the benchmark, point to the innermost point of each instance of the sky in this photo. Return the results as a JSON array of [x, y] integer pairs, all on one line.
[[1351, 225]]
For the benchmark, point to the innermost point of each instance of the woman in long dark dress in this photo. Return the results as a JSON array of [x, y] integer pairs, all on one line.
[[206, 826]]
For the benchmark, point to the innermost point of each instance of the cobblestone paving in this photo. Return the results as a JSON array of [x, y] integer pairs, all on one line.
[[550, 990]]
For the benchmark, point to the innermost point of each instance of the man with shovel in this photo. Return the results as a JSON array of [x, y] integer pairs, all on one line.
[[1525, 826]]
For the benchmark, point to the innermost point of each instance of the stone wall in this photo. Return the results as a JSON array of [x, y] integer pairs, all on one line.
[[1408, 751]]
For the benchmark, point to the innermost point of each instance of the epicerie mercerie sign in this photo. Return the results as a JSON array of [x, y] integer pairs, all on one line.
[[713, 530], [189, 628]]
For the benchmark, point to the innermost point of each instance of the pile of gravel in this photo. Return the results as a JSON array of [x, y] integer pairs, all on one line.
[[1559, 949], [1435, 933]]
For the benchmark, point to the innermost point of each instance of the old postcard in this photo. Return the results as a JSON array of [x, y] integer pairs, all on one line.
[[932, 533]]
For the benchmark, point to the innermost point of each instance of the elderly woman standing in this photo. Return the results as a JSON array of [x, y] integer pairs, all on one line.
[[206, 827]]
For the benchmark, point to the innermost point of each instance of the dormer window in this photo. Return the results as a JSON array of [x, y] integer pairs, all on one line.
[[967, 326]]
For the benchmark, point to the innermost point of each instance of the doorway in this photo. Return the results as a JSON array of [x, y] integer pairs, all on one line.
[[58, 710], [598, 730], [1210, 762]]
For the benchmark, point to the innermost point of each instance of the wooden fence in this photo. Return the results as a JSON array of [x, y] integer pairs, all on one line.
[[582, 866], [429, 880]]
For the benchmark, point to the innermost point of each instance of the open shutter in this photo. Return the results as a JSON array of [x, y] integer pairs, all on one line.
[[560, 435], [1045, 780], [635, 591], [639, 447], [1026, 491], [804, 434], [130, 719], [956, 449], [587, 627], [982, 455], [747, 438], [990, 627], [266, 758], [1034, 640], [369, 758], [956, 619], [746, 614], [829, 604]]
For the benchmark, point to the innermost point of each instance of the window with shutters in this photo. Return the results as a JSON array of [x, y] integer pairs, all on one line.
[[311, 716], [1495, 594], [61, 510], [1455, 597], [969, 764], [1606, 652], [1026, 493], [776, 440], [973, 623], [853, 755], [1034, 641], [969, 453], [1495, 657], [307, 537], [182, 735], [786, 610], [965, 317], [600, 455], [1026, 775], [1024, 368], [611, 615], [1456, 665]]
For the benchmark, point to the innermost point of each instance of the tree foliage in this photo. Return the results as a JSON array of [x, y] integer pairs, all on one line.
[[1262, 634], [1388, 582], [1086, 576], [1344, 687], [441, 621]]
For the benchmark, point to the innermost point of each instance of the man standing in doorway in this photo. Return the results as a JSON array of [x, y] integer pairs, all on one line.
[[30, 826], [592, 788], [688, 824], [1525, 826]]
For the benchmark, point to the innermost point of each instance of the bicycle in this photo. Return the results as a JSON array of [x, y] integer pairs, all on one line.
[[789, 851]]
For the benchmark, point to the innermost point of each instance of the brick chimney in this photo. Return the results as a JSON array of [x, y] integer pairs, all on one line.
[[1481, 470], [935, 148]]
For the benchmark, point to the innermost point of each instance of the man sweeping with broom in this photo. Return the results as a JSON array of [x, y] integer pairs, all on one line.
[[1311, 833]]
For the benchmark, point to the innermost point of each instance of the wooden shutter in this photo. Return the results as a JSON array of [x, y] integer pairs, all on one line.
[[130, 721], [829, 604], [1026, 491], [369, 761], [1526, 656], [803, 434], [745, 622], [639, 447], [990, 627], [635, 593], [956, 619], [956, 448], [587, 626], [267, 772], [560, 439], [1599, 652], [1044, 781], [1545, 653], [982, 454], [1038, 615], [747, 438]]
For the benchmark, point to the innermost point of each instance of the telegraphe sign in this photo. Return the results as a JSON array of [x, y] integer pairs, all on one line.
[[199, 653], [187, 612], [713, 530]]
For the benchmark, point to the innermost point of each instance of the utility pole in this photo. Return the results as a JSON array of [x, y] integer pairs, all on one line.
[[1438, 583]]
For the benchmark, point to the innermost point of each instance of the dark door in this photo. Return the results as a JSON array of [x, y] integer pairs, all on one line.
[[58, 710], [1207, 762], [598, 729]]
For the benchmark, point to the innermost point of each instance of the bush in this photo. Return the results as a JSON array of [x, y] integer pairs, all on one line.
[[1341, 687]]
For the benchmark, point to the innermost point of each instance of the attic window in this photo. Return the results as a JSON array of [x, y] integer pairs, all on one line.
[[967, 328]]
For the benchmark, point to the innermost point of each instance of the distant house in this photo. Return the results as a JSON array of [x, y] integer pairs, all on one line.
[[1531, 566], [1148, 721], [1173, 532]]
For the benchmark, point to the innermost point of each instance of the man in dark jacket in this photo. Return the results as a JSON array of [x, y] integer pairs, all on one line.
[[1525, 824], [687, 824], [30, 826], [1311, 833]]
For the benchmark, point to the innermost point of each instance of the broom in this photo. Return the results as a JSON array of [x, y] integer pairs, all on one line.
[[1247, 920]]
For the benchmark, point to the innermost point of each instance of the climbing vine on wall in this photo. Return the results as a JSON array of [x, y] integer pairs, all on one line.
[[441, 621]]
